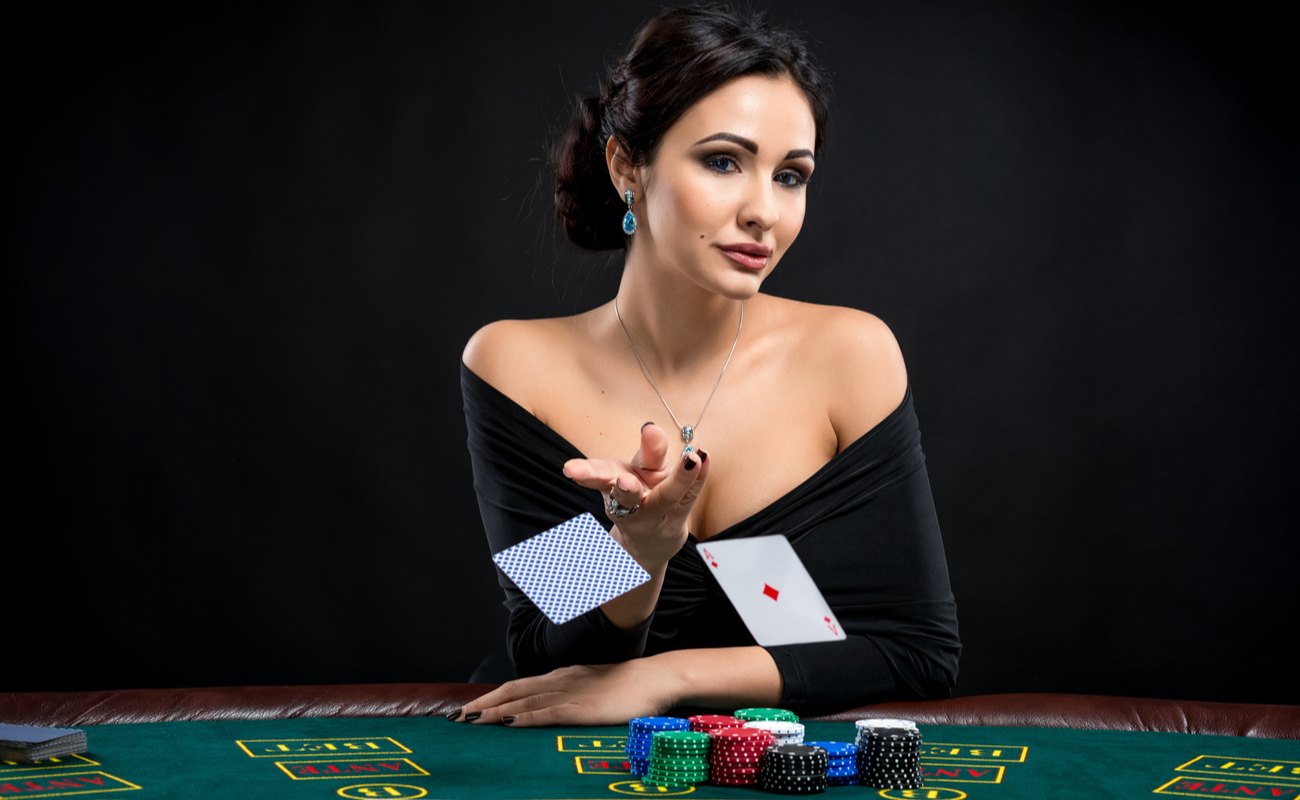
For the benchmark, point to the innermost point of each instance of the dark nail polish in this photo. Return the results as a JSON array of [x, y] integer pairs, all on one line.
[[651, 422], [473, 715], [704, 456], [507, 720], [454, 715], [687, 463]]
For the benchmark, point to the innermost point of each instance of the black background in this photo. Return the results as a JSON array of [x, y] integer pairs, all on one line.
[[246, 247]]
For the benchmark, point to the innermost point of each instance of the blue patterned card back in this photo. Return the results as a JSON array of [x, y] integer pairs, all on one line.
[[570, 569]]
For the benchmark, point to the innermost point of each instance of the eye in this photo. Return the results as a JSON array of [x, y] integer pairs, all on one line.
[[792, 178], [721, 162]]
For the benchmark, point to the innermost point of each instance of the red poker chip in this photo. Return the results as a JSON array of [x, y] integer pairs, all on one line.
[[758, 747], [735, 760], [738, 755], [715, 720], [741, 733], [744, 750]]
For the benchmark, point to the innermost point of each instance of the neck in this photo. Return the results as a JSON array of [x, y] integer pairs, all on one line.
[[678, 329]]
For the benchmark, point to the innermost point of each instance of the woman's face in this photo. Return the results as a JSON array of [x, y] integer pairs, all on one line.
[[725, 194]]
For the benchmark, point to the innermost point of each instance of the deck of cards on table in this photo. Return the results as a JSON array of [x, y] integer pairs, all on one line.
[[38, 742], [771, 590]]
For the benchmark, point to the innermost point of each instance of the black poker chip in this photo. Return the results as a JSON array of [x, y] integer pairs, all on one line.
[[888, 756], [794, 769]]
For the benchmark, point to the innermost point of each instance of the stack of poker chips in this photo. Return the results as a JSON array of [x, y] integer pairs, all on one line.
[[765, 714], [736, 755], [640, 731], [842, 764], [784, 732], [708, 723], [889, 754], [678, 758], [794, 769]]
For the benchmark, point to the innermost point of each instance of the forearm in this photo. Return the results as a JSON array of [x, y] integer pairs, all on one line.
[[723, 677], [631, 609]]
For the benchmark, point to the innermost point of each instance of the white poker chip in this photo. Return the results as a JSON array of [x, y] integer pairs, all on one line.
[[885, 723], [777, 727]]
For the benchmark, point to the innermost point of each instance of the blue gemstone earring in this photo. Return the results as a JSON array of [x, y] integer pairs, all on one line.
[[629, 219]]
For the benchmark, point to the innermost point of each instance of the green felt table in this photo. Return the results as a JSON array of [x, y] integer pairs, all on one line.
[[413, 757]]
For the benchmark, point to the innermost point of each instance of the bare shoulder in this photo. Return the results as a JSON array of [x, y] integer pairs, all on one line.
[[515, 354], [856, 358]]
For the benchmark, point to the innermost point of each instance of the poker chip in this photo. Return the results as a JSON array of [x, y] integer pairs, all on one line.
[[885, 723], [678, 757], [888, 754], [712, 722], [794, 769], [785, 732], [640, 732], [736, 754], [841, 762], [765, 714]]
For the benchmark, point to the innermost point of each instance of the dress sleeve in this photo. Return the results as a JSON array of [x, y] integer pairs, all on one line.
[[884, 573], [871, 541], [517, 464]]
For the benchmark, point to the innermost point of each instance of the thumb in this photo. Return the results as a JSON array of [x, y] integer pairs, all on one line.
[[651, 460]]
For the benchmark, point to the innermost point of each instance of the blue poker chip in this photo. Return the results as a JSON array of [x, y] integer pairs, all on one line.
[[836, 749], [659, 724]]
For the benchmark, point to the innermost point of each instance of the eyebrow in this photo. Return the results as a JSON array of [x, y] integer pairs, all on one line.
[[750, 144]]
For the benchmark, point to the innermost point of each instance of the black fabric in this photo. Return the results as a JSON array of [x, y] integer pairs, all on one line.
[[864, 526]]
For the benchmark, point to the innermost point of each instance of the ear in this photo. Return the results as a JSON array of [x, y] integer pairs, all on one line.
[[621, 172]]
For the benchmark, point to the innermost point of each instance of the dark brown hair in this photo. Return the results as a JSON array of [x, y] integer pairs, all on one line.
[[675, 59]]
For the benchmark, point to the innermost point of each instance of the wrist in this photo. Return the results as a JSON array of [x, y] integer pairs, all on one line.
[[652, 559], [673, 680]]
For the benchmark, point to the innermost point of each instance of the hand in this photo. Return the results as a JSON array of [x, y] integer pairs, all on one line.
[[663, 488], [603, 694]]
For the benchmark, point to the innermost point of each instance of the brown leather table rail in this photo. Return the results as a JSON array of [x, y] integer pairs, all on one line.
[[1041, 710]]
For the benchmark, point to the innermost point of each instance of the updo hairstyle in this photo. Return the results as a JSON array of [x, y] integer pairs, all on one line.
[[675, 59]]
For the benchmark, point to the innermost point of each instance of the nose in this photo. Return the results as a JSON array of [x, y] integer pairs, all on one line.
[[759, 211]]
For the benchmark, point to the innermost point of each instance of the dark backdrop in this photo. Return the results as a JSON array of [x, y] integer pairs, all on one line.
[[246, 246]]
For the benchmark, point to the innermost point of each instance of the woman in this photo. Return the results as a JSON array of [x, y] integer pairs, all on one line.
[[693, 406]]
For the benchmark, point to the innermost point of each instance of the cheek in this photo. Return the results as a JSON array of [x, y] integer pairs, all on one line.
[[694, 204], [791, 223]]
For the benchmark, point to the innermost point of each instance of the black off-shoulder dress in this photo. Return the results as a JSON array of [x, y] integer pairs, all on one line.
[[864, 525]]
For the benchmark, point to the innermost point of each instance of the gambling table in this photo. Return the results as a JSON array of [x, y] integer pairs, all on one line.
[[392, 741]]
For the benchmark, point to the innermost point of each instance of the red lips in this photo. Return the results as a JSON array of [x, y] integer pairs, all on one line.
[[749, 255]]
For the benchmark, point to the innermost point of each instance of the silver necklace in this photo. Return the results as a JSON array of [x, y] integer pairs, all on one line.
[[688, 431]]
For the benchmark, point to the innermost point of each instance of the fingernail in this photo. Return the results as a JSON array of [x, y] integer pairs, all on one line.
[[507, 720], [651, 422], [704, 456], [473, 715], [454, 714], [687, 463]]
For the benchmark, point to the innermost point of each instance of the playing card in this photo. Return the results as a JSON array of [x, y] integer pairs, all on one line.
[[771, 590], [570, 569]]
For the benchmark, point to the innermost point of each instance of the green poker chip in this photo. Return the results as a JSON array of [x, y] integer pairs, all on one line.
[[766, 715]]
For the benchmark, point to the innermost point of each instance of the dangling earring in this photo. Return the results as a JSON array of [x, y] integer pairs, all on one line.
[[629, 219]]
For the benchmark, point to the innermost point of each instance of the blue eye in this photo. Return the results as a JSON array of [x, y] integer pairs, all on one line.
[[792, 179], [719, 163]]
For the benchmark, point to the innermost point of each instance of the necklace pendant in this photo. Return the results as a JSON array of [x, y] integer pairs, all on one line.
[[688, 433]]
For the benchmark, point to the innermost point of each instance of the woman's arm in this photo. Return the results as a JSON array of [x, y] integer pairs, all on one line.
[[528, 478], [611, 694]]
